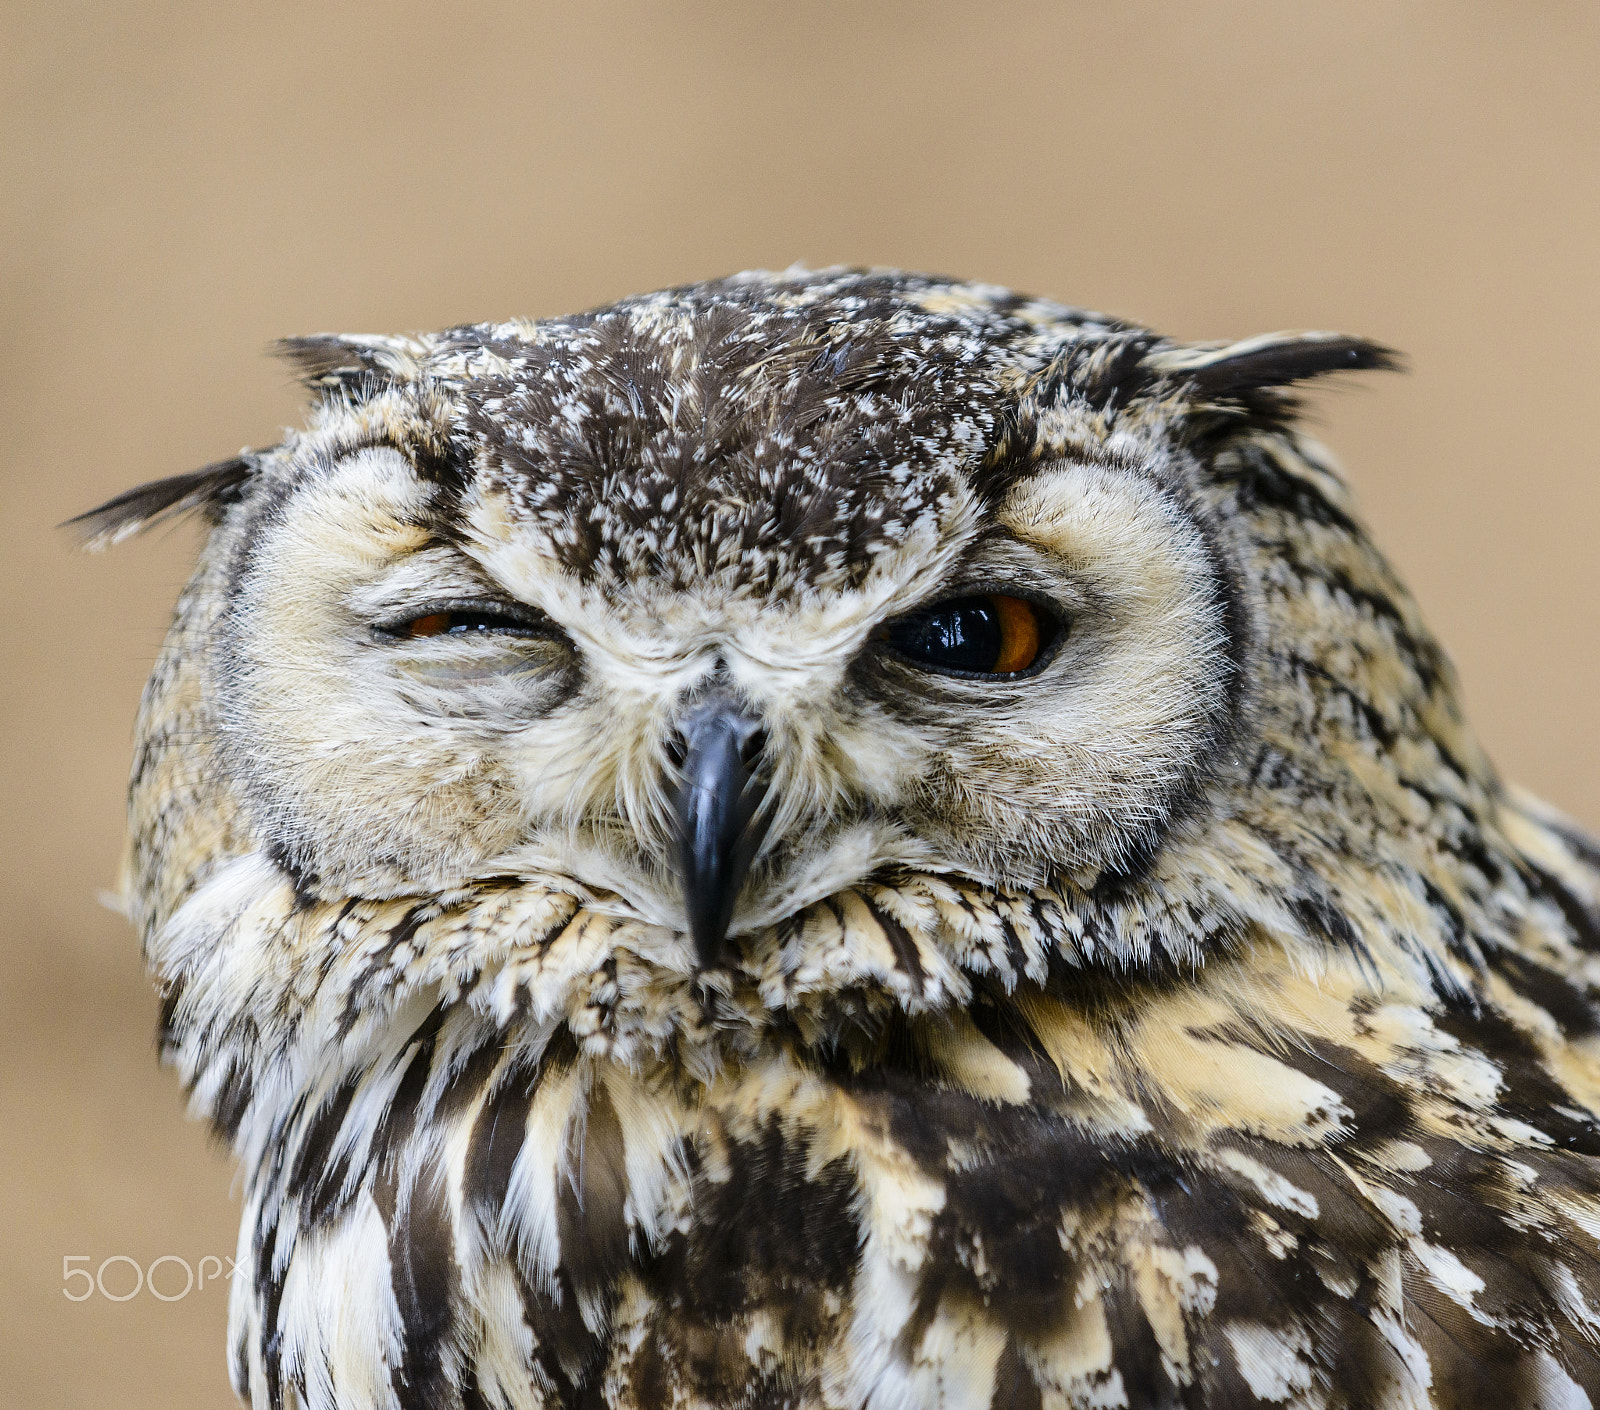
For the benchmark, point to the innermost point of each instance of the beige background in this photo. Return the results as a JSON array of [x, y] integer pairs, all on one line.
[[180, 183]]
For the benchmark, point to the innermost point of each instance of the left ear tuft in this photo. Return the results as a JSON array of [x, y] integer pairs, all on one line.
[[138, 509], [1224, 370]]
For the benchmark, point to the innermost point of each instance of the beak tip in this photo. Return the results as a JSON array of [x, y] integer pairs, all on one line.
[[707, 937]]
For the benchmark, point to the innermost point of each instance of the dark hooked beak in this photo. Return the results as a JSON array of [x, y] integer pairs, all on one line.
[[718, 831]]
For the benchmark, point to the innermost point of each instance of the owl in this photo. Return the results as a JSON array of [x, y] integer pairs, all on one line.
[[849, 840]]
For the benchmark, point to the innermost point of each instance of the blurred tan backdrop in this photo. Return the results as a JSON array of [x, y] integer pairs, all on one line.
[[181, 182]]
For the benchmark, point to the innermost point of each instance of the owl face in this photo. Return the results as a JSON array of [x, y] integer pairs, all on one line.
[[715, 609], [713, 604]]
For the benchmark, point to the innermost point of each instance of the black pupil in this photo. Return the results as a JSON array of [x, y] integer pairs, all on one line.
[[963, 635]]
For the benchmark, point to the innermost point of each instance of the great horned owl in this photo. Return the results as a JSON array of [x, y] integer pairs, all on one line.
[[853, 840]]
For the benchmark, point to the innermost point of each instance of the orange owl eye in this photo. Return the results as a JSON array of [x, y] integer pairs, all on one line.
[[434, 624], [989, 635]]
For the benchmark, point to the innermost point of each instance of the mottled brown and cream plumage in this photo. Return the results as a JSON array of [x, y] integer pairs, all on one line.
[[1191, 1018]]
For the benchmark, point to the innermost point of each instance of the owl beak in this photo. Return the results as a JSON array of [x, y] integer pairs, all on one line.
[[718, 832]]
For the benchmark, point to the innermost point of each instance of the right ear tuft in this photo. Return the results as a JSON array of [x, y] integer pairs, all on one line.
[[133, 511], [349, 362]]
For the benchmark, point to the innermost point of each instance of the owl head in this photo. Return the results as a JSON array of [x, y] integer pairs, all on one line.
[[725, 607]]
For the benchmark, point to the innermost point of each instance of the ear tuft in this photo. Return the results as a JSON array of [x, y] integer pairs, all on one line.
[[353, 362], [1224, 370], [136, 510]]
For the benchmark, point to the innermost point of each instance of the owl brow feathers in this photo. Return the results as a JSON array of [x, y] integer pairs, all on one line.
[[1109, 372], [1114, 373]]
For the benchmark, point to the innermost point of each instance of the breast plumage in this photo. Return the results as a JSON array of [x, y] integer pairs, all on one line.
[[853, 840]]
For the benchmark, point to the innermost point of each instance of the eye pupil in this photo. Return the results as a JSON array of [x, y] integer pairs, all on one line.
[[994, 634], [959, 636]]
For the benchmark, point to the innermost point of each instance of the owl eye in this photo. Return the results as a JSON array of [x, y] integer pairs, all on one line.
[[988, 635], [463, 621]]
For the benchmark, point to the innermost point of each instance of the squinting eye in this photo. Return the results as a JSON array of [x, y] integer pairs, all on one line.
[[463, 622], [991, 635]]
